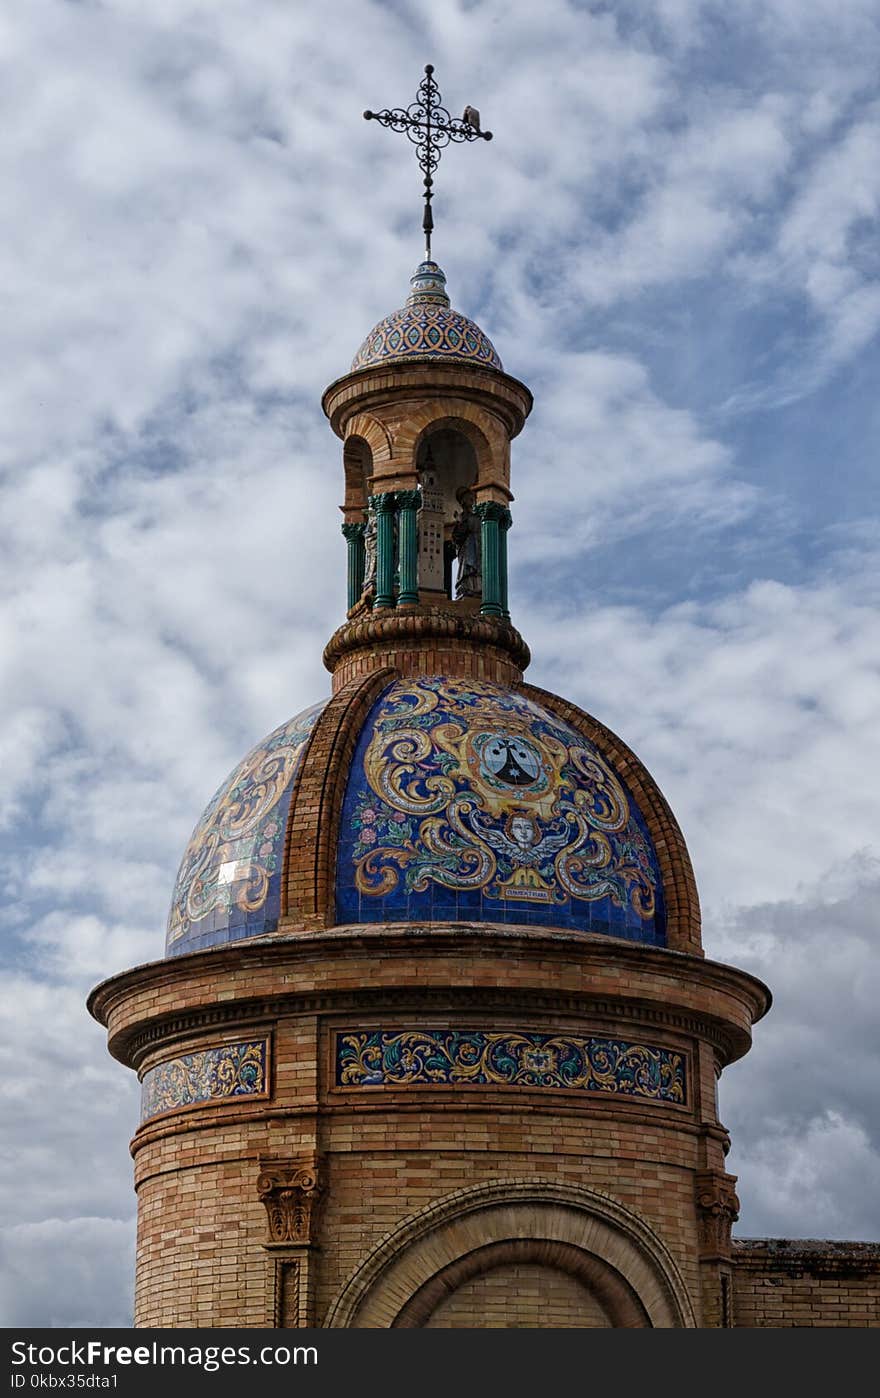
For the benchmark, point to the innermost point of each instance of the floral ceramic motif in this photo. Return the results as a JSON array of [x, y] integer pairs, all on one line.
[[375, 1058], [471, 786], [230, 1070], [236, 849]]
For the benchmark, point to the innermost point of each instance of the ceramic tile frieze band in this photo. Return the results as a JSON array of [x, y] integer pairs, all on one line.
[[224, 1073], [482, 1058]]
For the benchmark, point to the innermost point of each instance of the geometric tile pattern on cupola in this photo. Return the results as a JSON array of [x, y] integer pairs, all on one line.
[[426, 331], [229, 883], [467, 801]]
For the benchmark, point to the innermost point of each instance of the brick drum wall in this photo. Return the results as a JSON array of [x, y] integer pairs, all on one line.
[[383, 1155], [780, 1284], [520, 1296], [202, 1229]]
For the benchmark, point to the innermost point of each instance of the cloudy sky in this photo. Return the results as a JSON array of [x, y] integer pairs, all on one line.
[[673, 240]]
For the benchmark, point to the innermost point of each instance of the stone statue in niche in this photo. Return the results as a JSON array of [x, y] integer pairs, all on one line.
[[466, 537]]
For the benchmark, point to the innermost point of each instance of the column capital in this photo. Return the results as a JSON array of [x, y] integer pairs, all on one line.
[[353, 531], [505, 519], [291, 1191], [384, 504], [717, 1211], [409, 499], [490, 509]]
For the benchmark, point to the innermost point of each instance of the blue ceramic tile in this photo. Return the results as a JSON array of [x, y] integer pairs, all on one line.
[[229, 1071], [512, 1058], [427, 328], [229, 883], [469, 802]]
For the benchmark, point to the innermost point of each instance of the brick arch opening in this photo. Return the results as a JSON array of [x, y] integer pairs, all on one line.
[[483, 431], [616, 1250], [472, 433], [525, 1283], [357, 461]]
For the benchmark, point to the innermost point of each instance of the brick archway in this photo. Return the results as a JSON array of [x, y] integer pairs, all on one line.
[[615, 1297], [578, 1230]]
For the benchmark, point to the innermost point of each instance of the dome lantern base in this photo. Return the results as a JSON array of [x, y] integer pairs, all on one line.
[[451, 640]]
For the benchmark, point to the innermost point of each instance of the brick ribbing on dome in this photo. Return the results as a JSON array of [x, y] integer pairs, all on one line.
[[313, 826]]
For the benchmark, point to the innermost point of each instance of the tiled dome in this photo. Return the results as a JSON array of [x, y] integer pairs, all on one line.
[[427, 328], [465, 801], [470, 802], [229, 881]]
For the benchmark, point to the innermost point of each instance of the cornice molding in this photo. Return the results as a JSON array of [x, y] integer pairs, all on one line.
[[356, 392], [388, 629], [133, 1049], [421, 940]]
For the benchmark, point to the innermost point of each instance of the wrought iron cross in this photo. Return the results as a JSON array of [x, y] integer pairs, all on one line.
[[430, 127]]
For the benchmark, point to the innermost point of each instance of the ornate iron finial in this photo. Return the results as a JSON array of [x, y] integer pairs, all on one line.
[[430, 127]]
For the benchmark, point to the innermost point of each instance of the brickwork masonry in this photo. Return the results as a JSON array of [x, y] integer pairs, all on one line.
[[781, 1283]]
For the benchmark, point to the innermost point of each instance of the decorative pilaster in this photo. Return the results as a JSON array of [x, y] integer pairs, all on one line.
[[717, 1211], [291, 1191], [408, 504], [354, 536], [504, 524], [385, 506], [490, 513]]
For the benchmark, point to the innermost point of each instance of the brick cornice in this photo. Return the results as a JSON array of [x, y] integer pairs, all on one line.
[[365, 389], [473, 645], [800, 1257], [324, 970], [410, 1001]]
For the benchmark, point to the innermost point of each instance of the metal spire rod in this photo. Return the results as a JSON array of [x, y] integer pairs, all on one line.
[[430, 127]]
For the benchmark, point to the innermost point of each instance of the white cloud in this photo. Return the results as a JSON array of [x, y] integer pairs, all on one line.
[[820, 1179], [619, 459], [203, 231], [755, 713]]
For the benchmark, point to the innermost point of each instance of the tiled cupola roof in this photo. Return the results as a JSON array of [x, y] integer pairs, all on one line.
[[426, 328]]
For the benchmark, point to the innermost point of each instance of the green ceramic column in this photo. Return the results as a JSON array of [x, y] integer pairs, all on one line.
[[384, 505], [504, 523], [408, 503], [490, 513], [354, 536]]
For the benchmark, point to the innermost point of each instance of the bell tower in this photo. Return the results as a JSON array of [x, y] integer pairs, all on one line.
[[426, 416], [434, 1042]]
